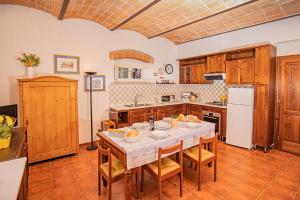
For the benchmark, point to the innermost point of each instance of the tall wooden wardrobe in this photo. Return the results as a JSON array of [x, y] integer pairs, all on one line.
[[48, 106]]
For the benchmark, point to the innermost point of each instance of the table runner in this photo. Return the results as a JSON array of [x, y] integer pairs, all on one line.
[[145, 150]]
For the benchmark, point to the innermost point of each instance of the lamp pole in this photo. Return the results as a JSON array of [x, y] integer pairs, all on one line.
[[90, 75]]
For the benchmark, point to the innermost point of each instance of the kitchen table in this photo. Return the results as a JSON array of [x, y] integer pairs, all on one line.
[[145, 150]]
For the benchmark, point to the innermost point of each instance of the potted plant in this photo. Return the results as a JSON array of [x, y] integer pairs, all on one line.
[[6, 125], [29, 60]]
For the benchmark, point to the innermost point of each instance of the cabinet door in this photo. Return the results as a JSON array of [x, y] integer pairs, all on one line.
[[50, 112], [194, 110], [179, 109], [188, 74], [232, 72], [195, 73], [262, 65], [162, 112], [261, 117], [215, 63], [223, 122], [247, 71], [182, 74]]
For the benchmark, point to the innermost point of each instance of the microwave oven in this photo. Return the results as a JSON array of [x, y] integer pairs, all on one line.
[[166, 98]]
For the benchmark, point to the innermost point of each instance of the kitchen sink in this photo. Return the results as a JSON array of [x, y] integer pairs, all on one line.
[[138, 105]]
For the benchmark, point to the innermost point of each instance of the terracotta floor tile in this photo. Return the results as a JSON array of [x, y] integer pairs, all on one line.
[[242, 174]]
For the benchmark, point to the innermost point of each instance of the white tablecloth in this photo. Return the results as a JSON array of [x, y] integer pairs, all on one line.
[[146, 149]]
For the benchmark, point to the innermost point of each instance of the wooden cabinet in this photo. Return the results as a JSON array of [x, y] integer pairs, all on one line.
[[179, 109], [261, 116], [263, 65], [223, 123], [49, 111], [240, 71], [141, 115], [215, 63], [18, 149], [197, 74], [195, 110], [163, 111], [185, 74]]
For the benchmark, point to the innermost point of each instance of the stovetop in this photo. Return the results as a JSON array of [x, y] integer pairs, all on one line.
[[217, 103]]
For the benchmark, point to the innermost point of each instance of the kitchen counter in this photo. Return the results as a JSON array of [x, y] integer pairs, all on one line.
[[123, 107], [11, 177]]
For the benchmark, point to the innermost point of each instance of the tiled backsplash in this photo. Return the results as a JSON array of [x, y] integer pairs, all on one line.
[[124, 93]]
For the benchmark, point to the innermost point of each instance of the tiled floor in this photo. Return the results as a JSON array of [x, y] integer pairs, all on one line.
[[242, 174]]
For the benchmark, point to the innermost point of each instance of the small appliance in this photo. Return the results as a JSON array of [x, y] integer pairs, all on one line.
[[167, 98], [185, 97]]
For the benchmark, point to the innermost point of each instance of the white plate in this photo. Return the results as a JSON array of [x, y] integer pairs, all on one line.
[[163, 128], [132, 139], [192, 125], [167, 119], [161, 124], [159, 134], [139, 125]]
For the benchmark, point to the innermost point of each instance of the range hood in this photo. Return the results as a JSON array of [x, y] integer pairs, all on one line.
[[215, 76]]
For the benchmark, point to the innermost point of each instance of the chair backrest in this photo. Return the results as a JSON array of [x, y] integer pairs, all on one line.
[[170, 150], [104, 152], [211, 141]]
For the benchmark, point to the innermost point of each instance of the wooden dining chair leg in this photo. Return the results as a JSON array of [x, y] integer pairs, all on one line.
[[215, 170], [199, 177], [137, 181], [181, 183], [109, 191], [99, 183], [159, 190], [142, 179]]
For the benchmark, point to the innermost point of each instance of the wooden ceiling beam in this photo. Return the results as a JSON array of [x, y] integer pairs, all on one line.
[[204, 18], [237, 29], [63, 9], [136, 14]]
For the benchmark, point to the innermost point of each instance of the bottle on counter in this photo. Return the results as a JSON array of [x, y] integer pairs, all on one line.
[[151, 121]]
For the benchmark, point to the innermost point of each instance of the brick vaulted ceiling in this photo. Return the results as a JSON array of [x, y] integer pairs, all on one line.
[[177, 20]]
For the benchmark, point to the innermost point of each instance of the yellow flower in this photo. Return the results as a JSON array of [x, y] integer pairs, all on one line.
[[1, 118], [9, 121]]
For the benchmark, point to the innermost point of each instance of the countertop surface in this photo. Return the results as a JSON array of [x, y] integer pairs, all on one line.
[[123, 107], [11, 178]]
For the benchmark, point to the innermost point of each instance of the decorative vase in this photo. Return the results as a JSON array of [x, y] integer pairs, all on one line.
[[4, 143], [29, 71]]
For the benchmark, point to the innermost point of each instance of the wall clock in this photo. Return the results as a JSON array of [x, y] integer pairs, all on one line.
[[169, 68]]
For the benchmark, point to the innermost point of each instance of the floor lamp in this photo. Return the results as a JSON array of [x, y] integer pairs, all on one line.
[[90, 76]]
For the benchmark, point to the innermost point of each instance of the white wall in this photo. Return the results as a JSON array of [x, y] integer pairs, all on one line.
[[24, 29], [285, 34]]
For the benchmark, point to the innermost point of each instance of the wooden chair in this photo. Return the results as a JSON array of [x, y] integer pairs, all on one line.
[[165, 168], [205, 157], [113, 170]]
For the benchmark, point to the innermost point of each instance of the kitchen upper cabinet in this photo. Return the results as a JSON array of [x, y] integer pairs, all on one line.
[[185, 74], [240, 71], [215, 63], [232, 72], [197, 74], [164, 111], [246, 67], [262, 65]]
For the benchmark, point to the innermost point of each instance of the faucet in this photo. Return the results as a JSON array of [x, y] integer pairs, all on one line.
[[136, 99]]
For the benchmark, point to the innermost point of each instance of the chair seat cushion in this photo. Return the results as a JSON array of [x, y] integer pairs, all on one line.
[[117, 168], [167, 166], [194, 154]]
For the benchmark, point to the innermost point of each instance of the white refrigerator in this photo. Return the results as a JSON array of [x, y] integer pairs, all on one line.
[[240, 117]]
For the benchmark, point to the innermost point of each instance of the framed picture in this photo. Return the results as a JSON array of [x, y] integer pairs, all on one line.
[[66, 64], [98, 83]]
